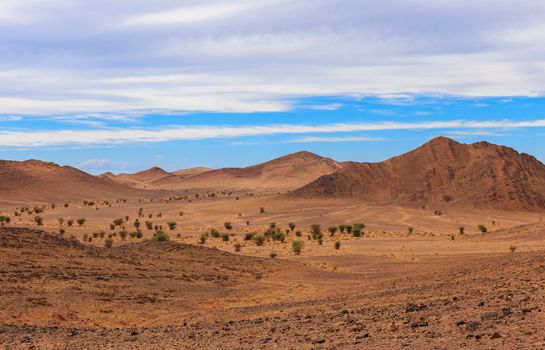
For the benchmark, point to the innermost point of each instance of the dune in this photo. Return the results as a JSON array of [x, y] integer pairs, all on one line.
[[441, 172]]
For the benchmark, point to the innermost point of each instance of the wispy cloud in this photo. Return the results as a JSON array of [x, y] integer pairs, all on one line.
[[178, 133], [314, 139], [10, 118]]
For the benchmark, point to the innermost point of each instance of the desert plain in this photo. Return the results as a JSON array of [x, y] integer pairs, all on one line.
[[440, 248]]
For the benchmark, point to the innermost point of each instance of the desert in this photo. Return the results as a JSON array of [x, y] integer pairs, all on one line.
[[198, 267]]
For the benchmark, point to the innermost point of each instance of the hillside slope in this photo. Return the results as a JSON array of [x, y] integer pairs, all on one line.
[[441, 172]]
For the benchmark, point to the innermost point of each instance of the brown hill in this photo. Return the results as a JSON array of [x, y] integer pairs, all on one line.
[[149, 178], [192, 171], [37, 180], [440, 172], [280, 174]]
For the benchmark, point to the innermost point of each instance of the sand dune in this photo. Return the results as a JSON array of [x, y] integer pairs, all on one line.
[[441, 172]]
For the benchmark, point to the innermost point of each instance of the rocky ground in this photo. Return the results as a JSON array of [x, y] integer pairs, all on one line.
[[57, 294]]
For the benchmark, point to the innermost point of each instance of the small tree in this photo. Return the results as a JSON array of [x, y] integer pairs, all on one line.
[[297, 246], [39, 220], [261, 210], [342, 228], [136, 224], [160, 236], [273, 255], [123, 234], [332, 230]]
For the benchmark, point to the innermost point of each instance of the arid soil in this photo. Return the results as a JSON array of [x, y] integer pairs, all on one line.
[[61, 294]]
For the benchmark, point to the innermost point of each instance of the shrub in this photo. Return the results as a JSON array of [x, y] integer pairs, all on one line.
[[298, 233], [171, 225], [259, 240], [292, 226], [342, 228], [228, 226], [348, 229], [237, 247], [61, 231], [261, 210], [81, 221], [248, 236], [273, 255], [438, 213], [482, 228], [356, 232], [297, 246], [139, 234], [61, 221], [225, 237], [123, 234], [160, 236], [66, 205], [513, 248], [214, 233], [108, 243], [272, 225], [149, 225], [278, 236], [39, 220], [461, 229], [337, 245], [136, 224], [70, 222], [118, 222], [410, 230], [203, 239], [101, 234], [332, 230]]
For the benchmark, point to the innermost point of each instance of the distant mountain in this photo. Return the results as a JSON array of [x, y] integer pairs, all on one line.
[[142, 179], [191, 171], [37, 180], [280, 174], [441, 172]]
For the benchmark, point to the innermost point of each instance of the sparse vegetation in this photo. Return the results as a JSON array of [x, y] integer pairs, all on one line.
[[297, 246], [292, 226], [108, 242], [160, 236], [171, 225], [273, 255], [228, 226], [214, 233], [513, 248], [482, 228], [203, 238], [259, 240], [410, 230], [225, 237], [39, 220], [461, 229], [81, 221], [337, 245], [237, 247]]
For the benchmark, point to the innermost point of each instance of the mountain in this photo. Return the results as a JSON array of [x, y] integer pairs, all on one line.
[[37, 180], [441, 172], [280, 174], [149, 178], [191, 171]]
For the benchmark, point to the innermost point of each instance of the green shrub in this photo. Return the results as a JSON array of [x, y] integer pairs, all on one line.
[[81, 221], [160, 236], [482, 228], [297, 246], [225, 237], [228, 226], [108, 243], [203, 239], [259, 240], [461, 229], [332, 230], [273, 254], [171, 225], [337, 245], [123, 234], [214, 233], [39, 220], [248, 236]]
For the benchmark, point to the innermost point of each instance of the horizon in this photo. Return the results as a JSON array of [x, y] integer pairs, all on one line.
[[229, 84]]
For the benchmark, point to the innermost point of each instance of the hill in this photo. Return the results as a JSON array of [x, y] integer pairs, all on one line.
[[441, 172], [36, 180], [280, 174]]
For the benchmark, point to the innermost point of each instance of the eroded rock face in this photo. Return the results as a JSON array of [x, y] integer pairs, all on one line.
[[441, 172]]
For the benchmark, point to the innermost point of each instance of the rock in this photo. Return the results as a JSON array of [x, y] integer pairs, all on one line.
[[318, 341], [414, 307], [134, 333], [495, 335], [362, 336], [487, 316], [473, 325], [459, 322]]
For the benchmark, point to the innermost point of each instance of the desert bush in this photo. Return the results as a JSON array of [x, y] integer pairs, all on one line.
[[108, 243], [139, 234], [348, 229], [482, 228], [337, 245], [118, 222], [410, 230], [342, 227], [298, 233], [237, 247], [95, 234], [38, 210], [81, 221], [461, 229], [112, 227], [171, 225], [53, 206], [273, 255], [70, 222], [261, 210], [160, 236], [123, 234], [292, 226], [66, 205], [513, 248], [278, 236], [61, 221], [438, 212], [228, 226], [149, 225], [214, 233], [101, 234], [356, 232], [272, 225], [297, 246], [136, 224], [248, 236], [39, 220], [203, 239], [332, 230], [259, 240], [225, 237], [61, 231]]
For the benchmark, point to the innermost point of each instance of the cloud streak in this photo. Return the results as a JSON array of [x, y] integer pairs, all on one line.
[[188, 133]]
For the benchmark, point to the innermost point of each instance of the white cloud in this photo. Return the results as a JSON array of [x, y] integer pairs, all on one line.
[[76, 56], [178, 133], [10, 118], [312, 139]]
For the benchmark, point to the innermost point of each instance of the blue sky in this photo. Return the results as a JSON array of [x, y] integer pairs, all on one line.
[[128, 84]]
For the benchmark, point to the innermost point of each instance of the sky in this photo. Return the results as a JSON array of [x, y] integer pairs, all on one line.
[[123, 85]]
